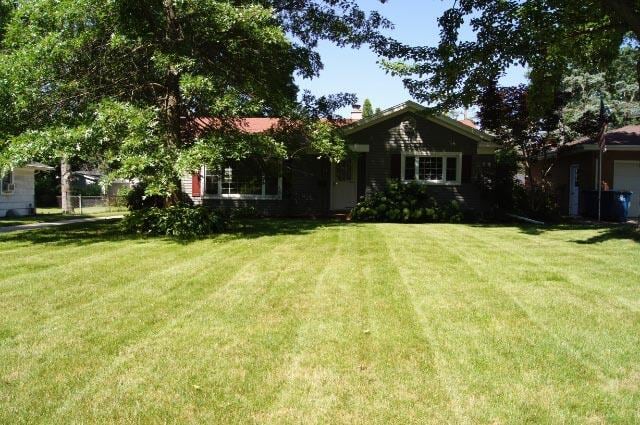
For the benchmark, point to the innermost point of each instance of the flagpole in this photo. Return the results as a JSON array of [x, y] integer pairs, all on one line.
[[599, 184], [601, 140]]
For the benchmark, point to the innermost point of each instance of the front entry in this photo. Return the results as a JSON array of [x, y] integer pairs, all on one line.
[[574, 190], [344, 184]]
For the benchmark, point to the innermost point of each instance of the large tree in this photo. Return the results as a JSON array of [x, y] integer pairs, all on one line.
[[127, 83], [616, 86], [546, 36]]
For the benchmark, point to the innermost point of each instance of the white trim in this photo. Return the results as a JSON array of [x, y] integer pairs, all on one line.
[[238, 196], [626, 161], [444, 156], [359, 148], [354, 177], [410, 106]]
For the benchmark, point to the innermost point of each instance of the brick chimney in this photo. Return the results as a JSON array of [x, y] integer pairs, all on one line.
[[356, 112]]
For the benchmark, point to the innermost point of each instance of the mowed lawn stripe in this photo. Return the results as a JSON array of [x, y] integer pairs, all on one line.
[[325, 322], [233, 337], [83, 337], [360, 355], [41, 249], [57, 295], [588, 315], [494, 355], [585, 320]]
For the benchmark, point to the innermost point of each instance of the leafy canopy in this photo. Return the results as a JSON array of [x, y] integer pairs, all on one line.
[[546, 36], [616, 85], [367, 109], [127, 83]]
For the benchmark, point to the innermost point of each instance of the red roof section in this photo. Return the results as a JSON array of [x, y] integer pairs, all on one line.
[[254, 125], [624, 136], [468, 123]]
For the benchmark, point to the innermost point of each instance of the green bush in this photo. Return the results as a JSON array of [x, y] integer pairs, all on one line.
[[405, 202], [136, 198], [244, 212], [180, 221]]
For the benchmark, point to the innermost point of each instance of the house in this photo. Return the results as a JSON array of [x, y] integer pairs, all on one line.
[[17, 192], [84, 179], [402, 142], [574, 168]]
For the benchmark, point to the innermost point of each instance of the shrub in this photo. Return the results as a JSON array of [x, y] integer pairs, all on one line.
[[405, 202], [244, 212], [181, 221], [137, 200]]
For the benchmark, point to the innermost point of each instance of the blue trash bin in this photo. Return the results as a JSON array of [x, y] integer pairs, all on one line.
[[614, 205]]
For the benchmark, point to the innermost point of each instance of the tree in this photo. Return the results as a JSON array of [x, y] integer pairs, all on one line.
[[127, 84], [367, 109], [505, 112], [616, 86], [546, 36]]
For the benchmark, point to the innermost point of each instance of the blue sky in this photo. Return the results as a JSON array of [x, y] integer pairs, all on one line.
[[356, 70]]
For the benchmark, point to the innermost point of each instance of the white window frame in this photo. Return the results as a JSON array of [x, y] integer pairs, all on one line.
[[443, 155], [11, 183], [262, 197]]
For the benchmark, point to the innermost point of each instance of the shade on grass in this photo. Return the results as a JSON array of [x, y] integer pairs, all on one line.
[[320, 322]]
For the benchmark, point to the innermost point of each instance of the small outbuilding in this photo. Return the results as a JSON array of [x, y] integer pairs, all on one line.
[[17, 192]]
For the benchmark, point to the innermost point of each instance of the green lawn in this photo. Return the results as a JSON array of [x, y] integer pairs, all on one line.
[[322, 322], [53, 214]]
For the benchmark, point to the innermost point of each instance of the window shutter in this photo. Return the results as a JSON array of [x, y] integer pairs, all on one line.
[[195, 185], [467, 168], [394, 171]]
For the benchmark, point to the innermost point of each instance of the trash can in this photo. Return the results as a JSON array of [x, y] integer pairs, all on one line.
[[614, 205]]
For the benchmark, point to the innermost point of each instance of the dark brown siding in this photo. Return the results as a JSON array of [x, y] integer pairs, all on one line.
[[409, 132], [305, 191]]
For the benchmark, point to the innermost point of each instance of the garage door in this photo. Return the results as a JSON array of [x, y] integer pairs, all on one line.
[[626, 176]]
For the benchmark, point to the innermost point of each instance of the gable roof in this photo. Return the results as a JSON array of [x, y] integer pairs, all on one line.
[[623, 136], [460, 127]]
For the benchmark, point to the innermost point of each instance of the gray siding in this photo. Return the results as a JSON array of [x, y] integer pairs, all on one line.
[[305, 191], [306, 180], [409, 132]]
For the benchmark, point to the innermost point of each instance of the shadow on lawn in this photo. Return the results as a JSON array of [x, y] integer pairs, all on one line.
[[607, 231], [91, 233]]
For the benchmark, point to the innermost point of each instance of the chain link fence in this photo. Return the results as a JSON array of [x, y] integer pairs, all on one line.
[[95, 204]]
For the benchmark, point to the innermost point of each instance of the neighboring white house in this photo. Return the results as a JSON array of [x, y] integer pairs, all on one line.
[[17, 192]]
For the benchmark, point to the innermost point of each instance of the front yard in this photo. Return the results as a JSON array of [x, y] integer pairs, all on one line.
[[321, 322]]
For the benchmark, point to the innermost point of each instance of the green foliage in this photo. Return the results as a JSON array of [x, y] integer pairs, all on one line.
[[405, 202], [537, 202], [93, 189], [545, 36], [47, 188], [367, 109], [498, 182], [244, 212], [126, 84], [137, 198], [506, 112], [180, 221], [617, 86]]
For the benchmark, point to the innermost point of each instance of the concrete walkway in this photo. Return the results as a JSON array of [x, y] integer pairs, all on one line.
[[33, 226]]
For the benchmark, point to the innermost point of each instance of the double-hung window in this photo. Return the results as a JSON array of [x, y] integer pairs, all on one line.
[[436, 168], [245, 179], [7, 183]]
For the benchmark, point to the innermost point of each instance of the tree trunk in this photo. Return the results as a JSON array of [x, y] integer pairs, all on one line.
[[173, 99], [65, 184]]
